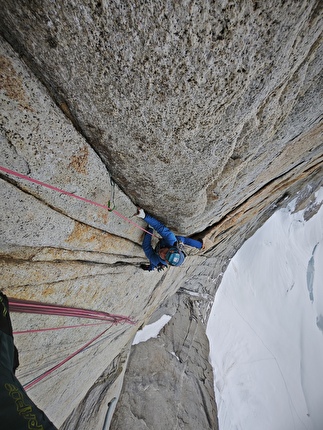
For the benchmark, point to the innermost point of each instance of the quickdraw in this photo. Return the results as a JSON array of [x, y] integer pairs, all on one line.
[[75, 196], [111, 204]]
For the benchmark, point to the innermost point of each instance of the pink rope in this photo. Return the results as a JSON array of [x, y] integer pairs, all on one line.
[[36, 330], [51, 187], [17, 305], [49, 371], [27, 306]]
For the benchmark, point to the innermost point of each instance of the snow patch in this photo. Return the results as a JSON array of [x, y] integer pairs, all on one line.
[[151, 330]]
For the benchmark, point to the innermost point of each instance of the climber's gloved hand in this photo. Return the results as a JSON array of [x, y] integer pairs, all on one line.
[[145, 267], [140, 213], [161, 267]]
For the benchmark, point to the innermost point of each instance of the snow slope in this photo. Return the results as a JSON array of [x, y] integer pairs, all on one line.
[[266, 328]]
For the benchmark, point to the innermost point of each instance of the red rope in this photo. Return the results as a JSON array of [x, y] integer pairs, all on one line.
[[49, 371], [36, 330], [27, 306], [16, 305], [51, 187]]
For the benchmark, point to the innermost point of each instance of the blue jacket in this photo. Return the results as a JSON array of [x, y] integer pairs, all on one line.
[[168, 240]]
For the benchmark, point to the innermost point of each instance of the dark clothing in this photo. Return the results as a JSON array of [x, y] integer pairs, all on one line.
[[17, 410]]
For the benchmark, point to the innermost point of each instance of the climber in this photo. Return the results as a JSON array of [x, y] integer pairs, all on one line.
[[169, 248], [17, 410]]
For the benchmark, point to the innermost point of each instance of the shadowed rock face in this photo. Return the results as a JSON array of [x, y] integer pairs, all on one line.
[[169, 380], [192, 106], [208, 115]]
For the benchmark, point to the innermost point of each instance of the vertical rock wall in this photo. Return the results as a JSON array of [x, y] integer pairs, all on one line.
[[212, 95], [169, 380], [59, 250], [208, 114]]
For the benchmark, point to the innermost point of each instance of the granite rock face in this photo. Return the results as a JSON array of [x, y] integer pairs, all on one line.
[[169, 380], [212, 95], [59, 250], [208, 114]]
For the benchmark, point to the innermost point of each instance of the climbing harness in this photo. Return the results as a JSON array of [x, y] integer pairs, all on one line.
[[51, 187]]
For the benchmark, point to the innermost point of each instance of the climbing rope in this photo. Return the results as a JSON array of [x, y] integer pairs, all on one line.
[[75, 196], [49, 371], [36, 330], [28, 306], [17, 305]]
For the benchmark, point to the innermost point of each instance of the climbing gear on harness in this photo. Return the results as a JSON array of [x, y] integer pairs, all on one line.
[[180, 245]]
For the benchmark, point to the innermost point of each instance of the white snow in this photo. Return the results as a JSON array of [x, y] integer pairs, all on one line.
[[266, 328], [151, 330]]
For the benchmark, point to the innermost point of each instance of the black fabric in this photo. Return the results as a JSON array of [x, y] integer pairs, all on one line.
[[17, 410], [145, 267], [5, 321], [6, 327]]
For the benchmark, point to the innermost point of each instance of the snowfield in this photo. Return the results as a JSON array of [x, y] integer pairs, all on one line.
[[266, 328]]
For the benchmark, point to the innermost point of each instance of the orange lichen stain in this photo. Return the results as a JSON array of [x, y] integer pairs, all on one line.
[[48, 291], [86, 238], [83, 234], [12, 84], [79, 161], [103, 215], [79, 233]]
